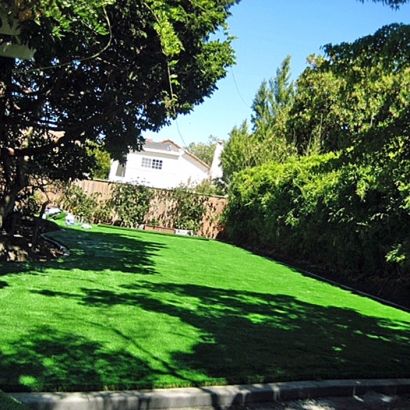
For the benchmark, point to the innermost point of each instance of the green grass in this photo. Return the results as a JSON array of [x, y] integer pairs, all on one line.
[[10, 403], [131, 309]]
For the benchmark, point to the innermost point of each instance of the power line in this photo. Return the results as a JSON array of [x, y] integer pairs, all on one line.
[[237, 89], [179, 132], [240, 96]]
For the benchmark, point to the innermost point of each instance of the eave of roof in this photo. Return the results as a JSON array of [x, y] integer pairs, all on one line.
[[187, 153], [154, 146]]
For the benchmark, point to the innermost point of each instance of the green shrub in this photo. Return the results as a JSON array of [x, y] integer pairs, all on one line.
[[10, 403], [130, 203], [189, 209], [78, 202], [326, 210]]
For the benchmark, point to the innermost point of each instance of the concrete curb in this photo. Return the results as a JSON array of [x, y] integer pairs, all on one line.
[[216, 397]]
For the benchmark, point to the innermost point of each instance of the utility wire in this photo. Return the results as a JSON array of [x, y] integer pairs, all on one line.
[[240, 96], [237, 89], [179, 132]]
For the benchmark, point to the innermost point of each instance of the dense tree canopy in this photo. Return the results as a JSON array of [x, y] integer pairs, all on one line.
[[203, 151], [343, 201], [360, 89], [266, 141], [394, 4], [110, 71]]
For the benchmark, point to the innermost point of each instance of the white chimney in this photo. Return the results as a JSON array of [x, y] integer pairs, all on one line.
[[216, 169]]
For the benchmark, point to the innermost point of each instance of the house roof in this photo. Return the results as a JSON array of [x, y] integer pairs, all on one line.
[[169, 145]]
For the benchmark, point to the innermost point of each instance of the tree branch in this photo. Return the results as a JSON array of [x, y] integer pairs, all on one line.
[[71, 133]]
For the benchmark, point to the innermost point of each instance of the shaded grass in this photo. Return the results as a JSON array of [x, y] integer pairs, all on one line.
[[131, 309], [10, 403]]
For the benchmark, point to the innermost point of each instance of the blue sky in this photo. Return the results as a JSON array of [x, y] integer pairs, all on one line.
[[267, 31]]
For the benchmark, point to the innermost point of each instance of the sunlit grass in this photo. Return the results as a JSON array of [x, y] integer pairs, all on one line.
[[131, 309]]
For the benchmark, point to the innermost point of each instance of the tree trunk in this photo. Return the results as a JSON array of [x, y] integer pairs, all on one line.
[[7, 190], [7, 202]]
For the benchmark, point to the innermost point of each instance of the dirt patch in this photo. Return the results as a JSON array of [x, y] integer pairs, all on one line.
[[24, 244]]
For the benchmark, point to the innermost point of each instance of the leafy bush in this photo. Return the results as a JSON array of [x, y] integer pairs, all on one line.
[[188, 210], [10, 403], [180, 208], [324, 209], [78, 202], [130, 203]]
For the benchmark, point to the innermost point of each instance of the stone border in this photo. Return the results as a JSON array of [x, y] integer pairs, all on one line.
[[216, 397]]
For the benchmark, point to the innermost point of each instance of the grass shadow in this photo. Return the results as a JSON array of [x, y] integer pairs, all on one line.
[[96, 251], [254, 337], [245, 337], [49, 360], [94, 336]]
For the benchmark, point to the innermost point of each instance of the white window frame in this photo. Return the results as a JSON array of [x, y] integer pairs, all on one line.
[[157, 164], [152, 163]]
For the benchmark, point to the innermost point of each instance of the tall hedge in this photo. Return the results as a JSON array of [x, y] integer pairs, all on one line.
[[327, 209]]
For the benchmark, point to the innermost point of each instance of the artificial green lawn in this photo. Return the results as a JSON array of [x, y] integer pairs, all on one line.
[[131, 309]]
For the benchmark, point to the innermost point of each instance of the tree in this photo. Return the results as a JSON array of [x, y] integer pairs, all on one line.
[[272, 100], [266, 142], [203, 151], [135, 65], [238, 152], [394, 4], [352, 92], [348, 206], [316, 120], [102, 160]]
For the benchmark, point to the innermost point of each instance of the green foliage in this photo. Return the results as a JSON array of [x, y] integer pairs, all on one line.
[[317, 120], [203, 151], [104, 71], [272, 102], [130, 203], [188, 209], [102, 161], [103, 213], [238, 152], [388, 46], [267, 140], [209, 187], [345, 203], [79, 203], [394, 4], [326, 210], [338, 106], [10, 403]]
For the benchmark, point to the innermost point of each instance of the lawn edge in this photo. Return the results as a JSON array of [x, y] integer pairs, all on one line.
[[216, 397]]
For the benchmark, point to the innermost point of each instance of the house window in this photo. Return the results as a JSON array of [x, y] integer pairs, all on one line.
[[146, 162], [120, 171], [151, 163], [157, 163]]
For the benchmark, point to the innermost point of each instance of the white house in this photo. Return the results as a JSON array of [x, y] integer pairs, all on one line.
[[160, 165], [216, 169]]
